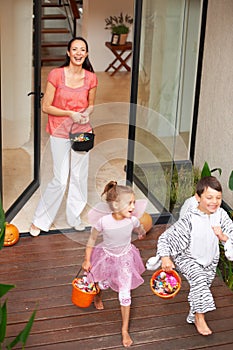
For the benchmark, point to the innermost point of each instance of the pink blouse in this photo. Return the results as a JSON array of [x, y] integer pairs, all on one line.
[[74, 99]]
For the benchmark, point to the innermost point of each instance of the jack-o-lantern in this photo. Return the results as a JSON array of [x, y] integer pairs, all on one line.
[[11, 235], [146, 221]]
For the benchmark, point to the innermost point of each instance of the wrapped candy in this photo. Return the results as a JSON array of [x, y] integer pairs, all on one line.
[[83, 292], [165, 283], [81, 138], [85, 286]]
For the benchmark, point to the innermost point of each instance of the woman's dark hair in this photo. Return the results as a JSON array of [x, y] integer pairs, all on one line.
[[86, 64], [208, 181]]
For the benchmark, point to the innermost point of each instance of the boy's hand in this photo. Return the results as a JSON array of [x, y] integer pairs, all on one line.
[[218, 231], [167, 264]]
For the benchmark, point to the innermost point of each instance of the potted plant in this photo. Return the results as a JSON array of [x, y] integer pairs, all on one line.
[[119, 26]]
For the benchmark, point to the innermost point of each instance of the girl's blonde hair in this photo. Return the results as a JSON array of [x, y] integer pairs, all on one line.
[[112, 192]]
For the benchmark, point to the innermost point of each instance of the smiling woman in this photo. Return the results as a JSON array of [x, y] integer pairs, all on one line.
[[68, 100]]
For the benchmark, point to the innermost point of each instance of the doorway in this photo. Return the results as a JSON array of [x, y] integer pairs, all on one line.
[[163, 114], [161, 122], [20, 102]]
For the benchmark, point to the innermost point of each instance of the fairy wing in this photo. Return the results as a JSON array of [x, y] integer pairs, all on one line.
[[97, 212], [101, 209], [140, 207]]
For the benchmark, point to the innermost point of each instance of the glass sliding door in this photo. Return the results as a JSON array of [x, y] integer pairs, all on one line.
[[165, 97], [20, 102]]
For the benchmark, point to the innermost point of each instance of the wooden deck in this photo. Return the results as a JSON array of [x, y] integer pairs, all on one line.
[[43, 268]]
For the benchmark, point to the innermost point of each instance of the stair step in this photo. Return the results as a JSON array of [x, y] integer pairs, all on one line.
[[56, 16], [53, 59], [55, 30], [51, 5], [54, 44]]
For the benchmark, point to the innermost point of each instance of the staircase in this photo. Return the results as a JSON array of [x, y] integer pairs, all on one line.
[[56, 31]]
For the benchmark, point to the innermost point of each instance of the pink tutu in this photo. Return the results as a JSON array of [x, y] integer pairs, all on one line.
[[120, 270]]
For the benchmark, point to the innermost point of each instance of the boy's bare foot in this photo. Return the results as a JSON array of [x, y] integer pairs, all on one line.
[[98, 302], [201, 324], [126, 340]]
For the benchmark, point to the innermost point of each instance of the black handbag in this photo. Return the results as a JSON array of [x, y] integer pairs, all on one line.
[[81, 141]]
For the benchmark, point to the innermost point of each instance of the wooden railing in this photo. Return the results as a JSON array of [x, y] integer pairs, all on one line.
[[72, 13]]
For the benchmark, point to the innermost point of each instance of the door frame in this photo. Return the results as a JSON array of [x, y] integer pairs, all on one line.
[[32, 187]]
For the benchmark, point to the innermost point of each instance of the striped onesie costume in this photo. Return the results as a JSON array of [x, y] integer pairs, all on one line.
[[194, 249]]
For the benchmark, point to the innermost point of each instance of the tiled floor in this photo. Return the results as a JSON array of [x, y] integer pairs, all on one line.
[[107, 159]]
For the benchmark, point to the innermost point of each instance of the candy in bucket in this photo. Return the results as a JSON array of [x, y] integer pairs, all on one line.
[[165, 284], [83, 292]]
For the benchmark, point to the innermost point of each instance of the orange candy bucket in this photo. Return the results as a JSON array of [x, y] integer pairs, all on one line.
[[165, 284], [83, 293]]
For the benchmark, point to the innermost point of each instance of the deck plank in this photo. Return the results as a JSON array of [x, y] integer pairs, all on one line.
[[42, 270]]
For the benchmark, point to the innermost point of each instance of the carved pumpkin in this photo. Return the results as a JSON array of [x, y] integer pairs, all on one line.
[[146, 221], [11, 235]]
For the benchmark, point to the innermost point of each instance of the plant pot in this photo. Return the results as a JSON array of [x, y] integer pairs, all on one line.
[[122, 39]]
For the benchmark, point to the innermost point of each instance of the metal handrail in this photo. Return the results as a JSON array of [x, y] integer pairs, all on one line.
[[72, 13]]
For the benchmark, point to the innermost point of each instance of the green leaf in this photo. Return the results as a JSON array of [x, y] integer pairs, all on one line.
[[217, 169], [230, 183], [23, 335], [3, 322], [205, 170], [2, 237], [4, 288]]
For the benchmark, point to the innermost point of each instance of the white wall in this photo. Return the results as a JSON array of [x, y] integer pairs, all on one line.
[[16, 71], [94, 15], [214, 142]]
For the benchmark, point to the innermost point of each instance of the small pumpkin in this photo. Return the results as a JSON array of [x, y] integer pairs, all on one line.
[[146, 221], [11, 235]]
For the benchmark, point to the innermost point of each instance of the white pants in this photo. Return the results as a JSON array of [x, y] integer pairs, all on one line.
[[65, 162]]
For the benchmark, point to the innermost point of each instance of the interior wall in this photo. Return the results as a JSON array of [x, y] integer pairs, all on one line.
[[94, 14], [16, 71], [168, 62], [214, 141]]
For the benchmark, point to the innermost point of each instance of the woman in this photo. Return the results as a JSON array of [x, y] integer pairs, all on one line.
[[69, 98]]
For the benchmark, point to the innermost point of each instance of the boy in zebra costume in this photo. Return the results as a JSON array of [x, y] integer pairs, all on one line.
[[192, 246]]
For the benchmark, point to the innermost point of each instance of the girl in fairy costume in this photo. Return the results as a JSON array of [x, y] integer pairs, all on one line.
[[116, 262]]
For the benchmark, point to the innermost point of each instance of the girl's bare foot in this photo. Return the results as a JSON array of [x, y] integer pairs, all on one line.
[[98, 302], [126, 340], [201, 324]]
